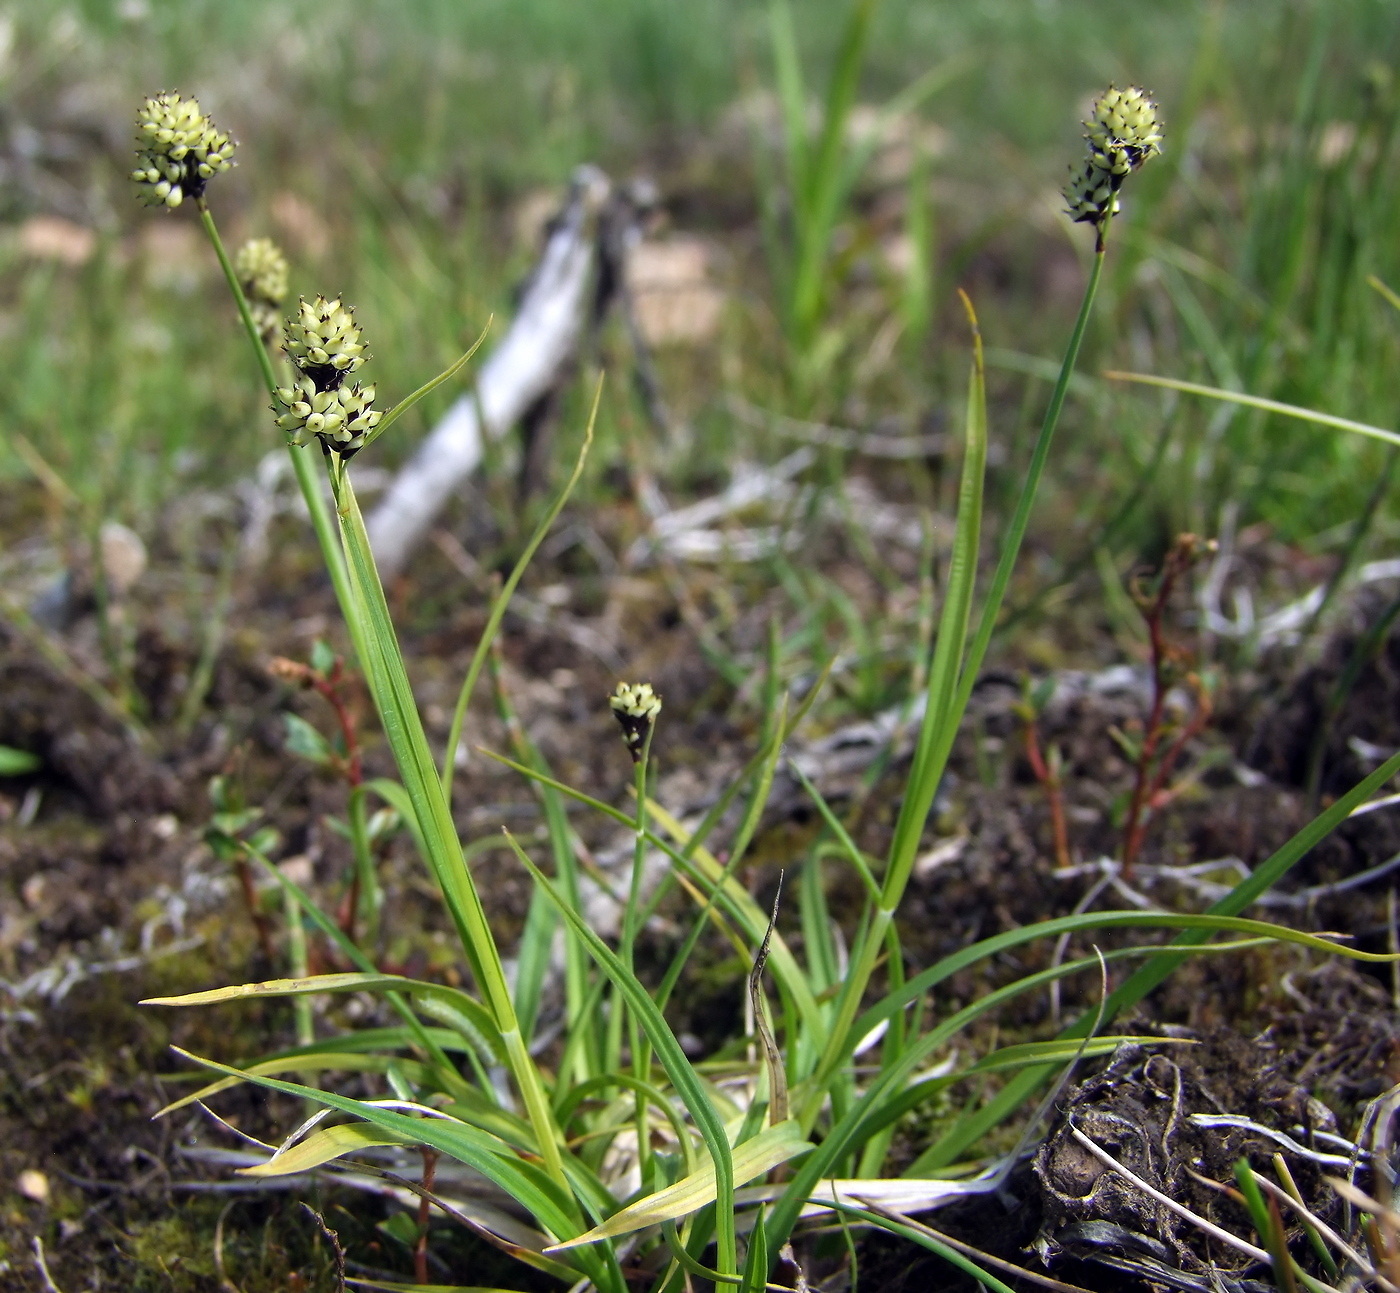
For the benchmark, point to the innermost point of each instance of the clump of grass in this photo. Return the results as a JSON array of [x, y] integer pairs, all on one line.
[[626, 1154]]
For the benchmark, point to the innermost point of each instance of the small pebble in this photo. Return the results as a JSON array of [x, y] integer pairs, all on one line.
[[33, 1185]]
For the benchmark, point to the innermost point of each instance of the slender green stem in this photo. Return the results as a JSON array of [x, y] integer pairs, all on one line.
[[641, 1051], [393, 696], [302, 463], [952, 676], [1016, 531], [300, 968], [502, 600], [206, 218]]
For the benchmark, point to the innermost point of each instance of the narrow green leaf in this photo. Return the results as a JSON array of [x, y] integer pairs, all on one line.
[[765, 1151], [16, 763], [502, 600], [1259, 402], [409, 401], [308, 1061], [323, 1146], [350, 982], [532, 1188]]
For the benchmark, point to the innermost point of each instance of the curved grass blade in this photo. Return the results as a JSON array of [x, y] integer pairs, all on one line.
[[1148, 976], [423, 1037], [1198, 925], [866, 1114], [323, 1146], [654, 1094], [1259, 402], [351, 982], [308, 1061], [403, 406], [502, 599], [771, 1147], [528, 1185], [449, 1005]]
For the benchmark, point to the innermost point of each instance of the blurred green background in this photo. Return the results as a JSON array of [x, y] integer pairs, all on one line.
[[404, 153]]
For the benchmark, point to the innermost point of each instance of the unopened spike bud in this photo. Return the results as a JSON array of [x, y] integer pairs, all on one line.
[[636, 706]]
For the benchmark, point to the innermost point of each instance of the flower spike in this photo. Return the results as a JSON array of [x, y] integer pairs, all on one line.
[[1123, 131], [180, 151], [636, 706]]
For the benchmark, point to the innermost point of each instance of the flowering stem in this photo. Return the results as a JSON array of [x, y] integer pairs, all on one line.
[[941, 722], [393, 697], [641, 1051], [301, 462]]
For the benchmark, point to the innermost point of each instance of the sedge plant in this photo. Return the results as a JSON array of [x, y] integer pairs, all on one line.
[[620, 1159]]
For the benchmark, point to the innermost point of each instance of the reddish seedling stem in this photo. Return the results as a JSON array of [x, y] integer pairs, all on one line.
[[420, 1250], [329, 686], [1150, 787], [332, 686], [1049, 777]]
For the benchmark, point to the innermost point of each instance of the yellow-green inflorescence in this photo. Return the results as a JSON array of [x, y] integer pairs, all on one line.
[[1122, 133], [324, 344], [636, 706], [262, 274], [179, 150]]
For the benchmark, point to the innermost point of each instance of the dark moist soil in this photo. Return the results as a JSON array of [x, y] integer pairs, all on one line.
[[109, 894]]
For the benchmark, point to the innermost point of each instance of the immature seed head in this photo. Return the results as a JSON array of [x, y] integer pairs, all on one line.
[[262, 270], [1091, 193], [340, 418], [323, 341], [179, 151], [636, 706], [262, 273], [1124, 130], [1122, 133]]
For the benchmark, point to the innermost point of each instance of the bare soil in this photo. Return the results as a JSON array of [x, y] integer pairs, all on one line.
[[109, 893]]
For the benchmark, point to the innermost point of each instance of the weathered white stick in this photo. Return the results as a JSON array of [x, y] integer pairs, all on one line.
[[542, 337]]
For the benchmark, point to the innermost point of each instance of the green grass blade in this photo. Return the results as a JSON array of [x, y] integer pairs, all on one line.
[[403, 406], [16, 763], [672, 1058], [502, 600], [1259, 402], [1264, 877], [352, 982], [532, 1188], [403, 725], [323, 1146], [941, 718], [772, 1147]]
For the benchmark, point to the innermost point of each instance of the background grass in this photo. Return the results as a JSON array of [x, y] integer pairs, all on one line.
[[390, 148]]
